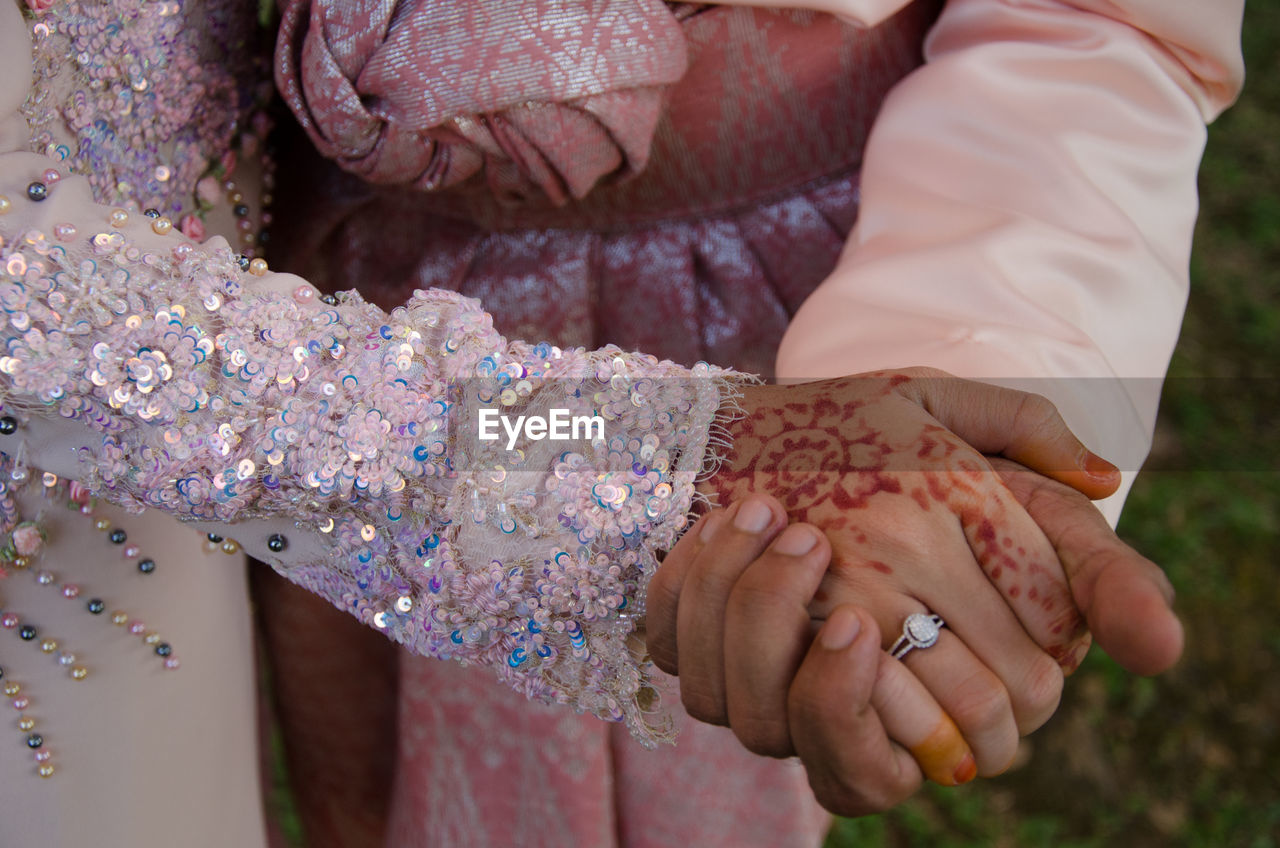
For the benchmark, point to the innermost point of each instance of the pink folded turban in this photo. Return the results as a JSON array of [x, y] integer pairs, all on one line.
[[538, 96]]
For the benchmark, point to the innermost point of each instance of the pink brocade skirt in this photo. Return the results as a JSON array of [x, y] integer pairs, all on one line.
[[741, 213]]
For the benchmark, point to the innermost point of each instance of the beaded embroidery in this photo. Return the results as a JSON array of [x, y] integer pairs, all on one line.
[[161, 104], [22, 540], [215, 401]]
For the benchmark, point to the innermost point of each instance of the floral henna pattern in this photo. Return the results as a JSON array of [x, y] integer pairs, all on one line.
[[867, 464]]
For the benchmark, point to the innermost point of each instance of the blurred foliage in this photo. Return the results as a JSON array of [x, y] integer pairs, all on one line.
[[1188, 758]]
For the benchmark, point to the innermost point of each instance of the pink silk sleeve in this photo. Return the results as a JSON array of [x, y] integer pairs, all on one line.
[[1028, 199]]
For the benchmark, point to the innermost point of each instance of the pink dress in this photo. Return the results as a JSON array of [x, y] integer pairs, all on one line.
[[701, 254]]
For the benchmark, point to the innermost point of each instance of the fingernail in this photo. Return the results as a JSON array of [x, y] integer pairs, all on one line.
[[753, 516], [1096, 466], [967, 770], [710, 526], [796, 540], [840, 630]]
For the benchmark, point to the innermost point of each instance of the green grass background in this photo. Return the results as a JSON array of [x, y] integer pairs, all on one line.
[[1191, 757]]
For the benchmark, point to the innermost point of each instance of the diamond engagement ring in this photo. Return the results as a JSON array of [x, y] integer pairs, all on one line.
[[918, 631]]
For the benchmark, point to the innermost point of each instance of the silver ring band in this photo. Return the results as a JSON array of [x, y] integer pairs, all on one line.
[[918, 631]]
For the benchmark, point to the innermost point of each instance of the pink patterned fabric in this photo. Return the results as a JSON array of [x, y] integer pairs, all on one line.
[[492, 93], [743, 208]]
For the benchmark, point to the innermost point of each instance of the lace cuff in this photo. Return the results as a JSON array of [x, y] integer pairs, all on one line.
[[459, 526]]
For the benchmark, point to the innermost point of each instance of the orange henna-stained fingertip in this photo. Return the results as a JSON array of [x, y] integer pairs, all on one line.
[[944, 756]]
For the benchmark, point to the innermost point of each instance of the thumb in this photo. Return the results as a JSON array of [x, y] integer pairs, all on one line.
[[1125, 597], [1019, 425]]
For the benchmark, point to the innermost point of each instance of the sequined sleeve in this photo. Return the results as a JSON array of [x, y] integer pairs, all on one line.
[[211, 389]]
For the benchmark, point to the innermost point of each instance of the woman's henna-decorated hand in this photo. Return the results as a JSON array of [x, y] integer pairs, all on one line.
[[912, 511], [865, 728]]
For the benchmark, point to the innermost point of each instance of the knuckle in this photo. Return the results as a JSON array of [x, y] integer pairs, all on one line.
[[1039, 415], [703, 705], [753, 595], [709, 581], [1038, 697], [765, 736], [981, 701]]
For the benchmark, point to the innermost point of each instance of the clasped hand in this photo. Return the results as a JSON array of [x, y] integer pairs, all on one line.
[[909, 492]]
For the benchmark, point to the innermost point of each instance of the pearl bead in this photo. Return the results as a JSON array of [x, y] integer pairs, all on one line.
[[214, 538], [103, 524], [45, 770], [117, 536], [147, 566], [42, 756], [137, 627], [20, 562], [49, 646], [5, 204], [27, 632], [164, 649], [277, 543], [304, 295], [131, 551], [70, 590], [9, 621], [96, 606], [66, 658], [258, 267], [37, 191], [11, 688], [45, 578], [151, 213], [26, 723], [230, 546], [64, 232], [162, 226], [171, 663], [118, 218], [79, 673], [8, 425], [151, 638], [119, 619], [51, 176], [35, 740], [20, 703]]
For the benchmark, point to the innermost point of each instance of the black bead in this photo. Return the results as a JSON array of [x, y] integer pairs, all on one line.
[[277, 543], [147, 566], [213, 537], [1, 674], [117, 536], [8, 425], [164, 649], [329, 299], [37, 191], [27, 632], [264, 237], [151, 213], [96, 606], [243, 262], [35, 740], [240, 210]]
